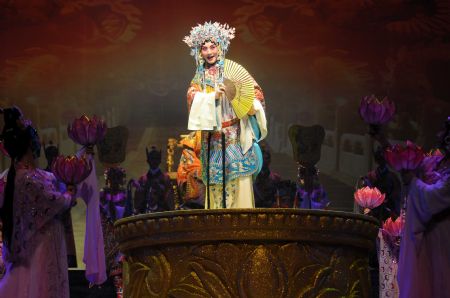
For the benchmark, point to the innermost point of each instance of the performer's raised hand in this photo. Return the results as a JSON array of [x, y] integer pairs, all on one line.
[[226, 88], [220, 91], [230, 89]]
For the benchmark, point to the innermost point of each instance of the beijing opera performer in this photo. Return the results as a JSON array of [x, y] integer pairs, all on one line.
[[227, 105]]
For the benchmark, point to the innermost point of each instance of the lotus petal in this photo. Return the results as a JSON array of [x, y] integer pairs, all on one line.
[[394, 228], [376, 112], [368, 197], [86, 131], [71, 170]]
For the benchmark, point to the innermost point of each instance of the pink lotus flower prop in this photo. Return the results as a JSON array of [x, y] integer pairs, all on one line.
[[376, 112], [71, 170], [391, 233], [86, 131], [369, 198], [394, 228], [404, 158]]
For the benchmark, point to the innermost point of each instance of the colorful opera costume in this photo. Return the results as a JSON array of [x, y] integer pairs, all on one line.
[[226, 104]]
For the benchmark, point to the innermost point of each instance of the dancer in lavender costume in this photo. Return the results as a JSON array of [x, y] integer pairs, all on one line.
[[424, 263], [33, 234]]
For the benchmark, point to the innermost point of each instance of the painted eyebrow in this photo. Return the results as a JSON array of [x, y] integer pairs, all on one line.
[[211, 46]]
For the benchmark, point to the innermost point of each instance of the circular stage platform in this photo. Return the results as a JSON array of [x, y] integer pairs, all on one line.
[[247, 253]]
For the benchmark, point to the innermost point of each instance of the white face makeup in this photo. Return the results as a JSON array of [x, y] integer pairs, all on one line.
[[210, 52]]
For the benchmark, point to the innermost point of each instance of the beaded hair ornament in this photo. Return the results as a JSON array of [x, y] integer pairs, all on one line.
[[220, 34]]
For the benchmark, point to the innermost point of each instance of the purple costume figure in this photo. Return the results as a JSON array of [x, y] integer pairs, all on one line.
[[153, 193], [306, 144], [113, 206], [424, 263], [113, 195], [34, 247]]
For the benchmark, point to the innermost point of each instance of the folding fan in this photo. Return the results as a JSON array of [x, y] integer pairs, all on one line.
[[245, 91]]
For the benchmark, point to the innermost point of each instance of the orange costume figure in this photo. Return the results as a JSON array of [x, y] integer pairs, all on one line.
[[189, 172]]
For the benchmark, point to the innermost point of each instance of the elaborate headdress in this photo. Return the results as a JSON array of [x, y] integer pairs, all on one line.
[[220, 34]]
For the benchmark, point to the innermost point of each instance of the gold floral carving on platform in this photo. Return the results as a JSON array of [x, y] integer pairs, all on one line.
[[238, 263], [150, 274]]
